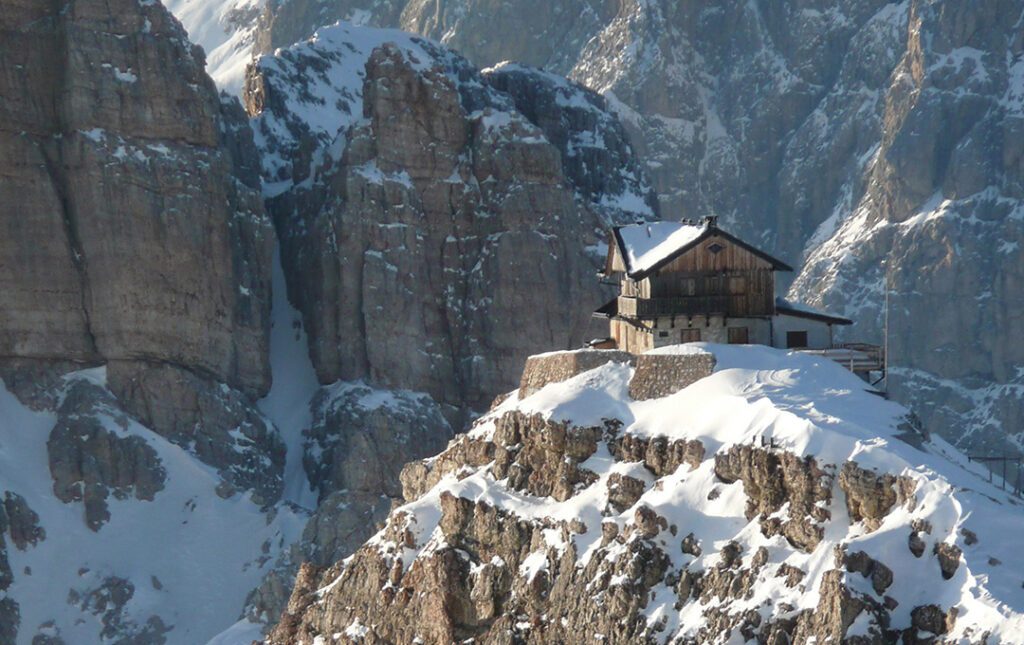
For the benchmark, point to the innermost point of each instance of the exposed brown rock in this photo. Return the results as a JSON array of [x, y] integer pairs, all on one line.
[[658, 454], [949, 558], [138, 233], [543, 457], [21, 522], [881, 576], [446, 244], [870, 495], [771, 479], [792, 574], [624, 491], [351, 446], [88, 462]]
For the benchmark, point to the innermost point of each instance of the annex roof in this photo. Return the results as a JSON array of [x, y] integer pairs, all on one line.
[[786, 308]]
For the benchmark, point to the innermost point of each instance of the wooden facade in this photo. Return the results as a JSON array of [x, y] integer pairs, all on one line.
[[696, 282], [688, 282], [716, 277]]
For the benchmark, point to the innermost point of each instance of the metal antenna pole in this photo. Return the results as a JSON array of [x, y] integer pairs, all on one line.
[[885, 357]]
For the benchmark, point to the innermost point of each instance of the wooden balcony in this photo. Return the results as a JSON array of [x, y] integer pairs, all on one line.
[[690, 306]]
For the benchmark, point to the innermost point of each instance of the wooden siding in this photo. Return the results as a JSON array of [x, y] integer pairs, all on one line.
[[699, 259], [747, 293], [734, 293], [630, 338], [614, 262]]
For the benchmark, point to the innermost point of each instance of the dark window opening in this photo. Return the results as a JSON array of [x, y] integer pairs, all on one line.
[[662, 334], [689, 335], [796, 339], [715, 248], [739, 336]]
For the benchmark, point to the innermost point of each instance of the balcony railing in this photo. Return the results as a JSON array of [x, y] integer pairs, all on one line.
[[856, 357], [688, 305]]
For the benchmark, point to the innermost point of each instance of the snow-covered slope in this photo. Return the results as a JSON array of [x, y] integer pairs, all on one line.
[[775, 499], [175, 568], [226, 30]]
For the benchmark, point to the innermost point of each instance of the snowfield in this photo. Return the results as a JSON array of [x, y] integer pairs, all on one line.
[[799, 404], [190, 555]]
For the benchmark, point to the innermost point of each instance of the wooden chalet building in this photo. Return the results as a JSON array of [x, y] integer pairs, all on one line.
[[688, 281]]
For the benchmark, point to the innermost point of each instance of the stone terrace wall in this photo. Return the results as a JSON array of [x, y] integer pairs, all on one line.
[[560, 366], [659, 375]]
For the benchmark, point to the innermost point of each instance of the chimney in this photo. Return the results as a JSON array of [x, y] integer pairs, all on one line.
[[711, 221]]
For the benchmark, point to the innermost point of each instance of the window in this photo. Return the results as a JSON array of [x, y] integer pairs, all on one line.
[[739, 336], [715, 248], [796, 339], [689, 335], [737, 286], [662, 334]]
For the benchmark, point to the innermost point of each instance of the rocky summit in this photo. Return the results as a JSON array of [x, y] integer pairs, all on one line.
[[776, 500]]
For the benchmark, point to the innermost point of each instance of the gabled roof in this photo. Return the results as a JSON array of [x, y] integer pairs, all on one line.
[[787, 308], [645, 247]]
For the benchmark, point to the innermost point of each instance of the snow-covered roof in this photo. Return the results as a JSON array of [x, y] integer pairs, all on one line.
[[646, 246], [800, 310]]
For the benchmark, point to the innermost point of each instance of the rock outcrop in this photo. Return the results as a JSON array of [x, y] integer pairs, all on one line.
[[537, 528], [90, 461], [361, 437]]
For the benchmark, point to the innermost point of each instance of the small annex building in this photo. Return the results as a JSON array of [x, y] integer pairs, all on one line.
[[691, 281]]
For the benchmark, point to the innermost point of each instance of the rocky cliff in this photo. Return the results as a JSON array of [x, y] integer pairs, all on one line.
[[135, 267], [845, 135], [424, 207], [137, 344], [139, 238], [775, 500]]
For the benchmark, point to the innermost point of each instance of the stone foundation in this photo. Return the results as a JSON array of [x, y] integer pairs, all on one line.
[[555, 367], [659, 375]]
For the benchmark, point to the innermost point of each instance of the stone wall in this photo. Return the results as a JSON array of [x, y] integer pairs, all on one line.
[[560, 366], [659, 375]]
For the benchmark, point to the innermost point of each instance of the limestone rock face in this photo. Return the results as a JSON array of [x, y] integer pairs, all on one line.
[[939, 224], [432, 214], [138, 233], [360, 438], [139, 238]]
